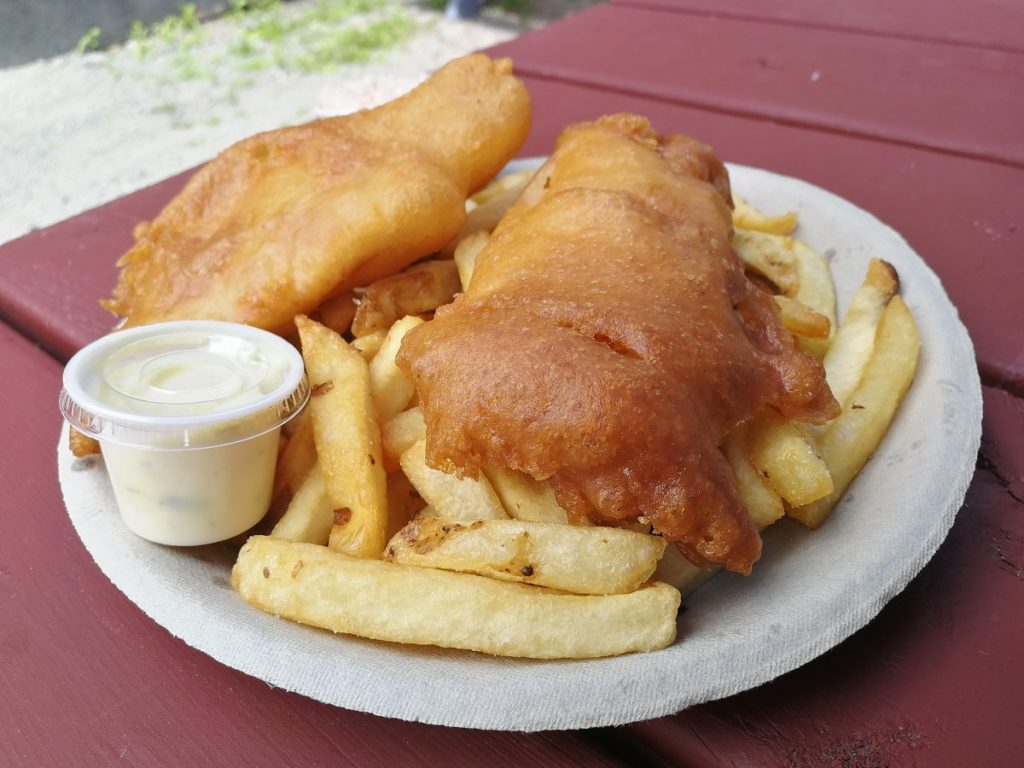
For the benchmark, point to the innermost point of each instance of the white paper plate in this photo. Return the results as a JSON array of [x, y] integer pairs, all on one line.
[[809, 591]]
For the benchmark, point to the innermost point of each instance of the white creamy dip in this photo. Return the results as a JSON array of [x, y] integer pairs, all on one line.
[[188, 415]]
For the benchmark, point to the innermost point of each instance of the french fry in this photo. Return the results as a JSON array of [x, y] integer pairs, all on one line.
[[399, 433], [816, 290], [465, 255], [296, 460], [583, 560], [461, 499], [484, 217], [421, 288], [676, 570], [391, 388], [797, 271], [310, 515], [369, 345], [81, 445], [802, 320], [525, 498], [787, 460], [746, 216], [763, 504], [516, 181], [855, 339], [851, 439], [769, 256], [337, 312], [347, 440], [425, 606]]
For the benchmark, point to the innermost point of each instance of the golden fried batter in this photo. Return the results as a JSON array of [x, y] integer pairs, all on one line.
[[609, 340], [280, 221]]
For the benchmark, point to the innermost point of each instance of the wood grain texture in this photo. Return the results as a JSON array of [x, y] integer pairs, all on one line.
[[53, 278], [950, 98], [983, 23], [86, 679], [935, 679]]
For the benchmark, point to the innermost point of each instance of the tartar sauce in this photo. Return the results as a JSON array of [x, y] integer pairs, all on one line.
[[188, 415]]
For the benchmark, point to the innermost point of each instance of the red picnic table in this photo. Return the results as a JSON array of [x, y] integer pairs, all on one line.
[[911, 111]]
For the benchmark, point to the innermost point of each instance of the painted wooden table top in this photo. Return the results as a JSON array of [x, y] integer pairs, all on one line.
[[912, 111]]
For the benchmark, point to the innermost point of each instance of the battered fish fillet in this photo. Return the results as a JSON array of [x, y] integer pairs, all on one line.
[[282, 220], [609, 340]]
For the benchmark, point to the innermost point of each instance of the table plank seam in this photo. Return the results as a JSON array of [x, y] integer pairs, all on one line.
[[580, 79], [25, 333], [790, 22]]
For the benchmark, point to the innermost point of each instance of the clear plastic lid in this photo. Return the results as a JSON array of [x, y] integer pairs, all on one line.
[[183, 384]]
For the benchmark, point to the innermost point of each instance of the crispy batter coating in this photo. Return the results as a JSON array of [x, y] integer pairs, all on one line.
[[283, 220], [609, 340]]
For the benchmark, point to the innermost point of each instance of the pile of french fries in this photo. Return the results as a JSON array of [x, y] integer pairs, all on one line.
[[373, 542]]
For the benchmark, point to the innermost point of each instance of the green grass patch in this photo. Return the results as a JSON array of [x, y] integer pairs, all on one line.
[[90, 41], [264, 34]]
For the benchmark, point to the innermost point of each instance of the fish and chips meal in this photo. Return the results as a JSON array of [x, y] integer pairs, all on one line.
[[544, 406]]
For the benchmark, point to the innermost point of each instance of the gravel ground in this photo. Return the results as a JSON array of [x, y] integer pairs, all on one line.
[[79, 130]]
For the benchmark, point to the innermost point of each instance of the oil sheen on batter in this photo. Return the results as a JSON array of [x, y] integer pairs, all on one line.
[[609, 340]]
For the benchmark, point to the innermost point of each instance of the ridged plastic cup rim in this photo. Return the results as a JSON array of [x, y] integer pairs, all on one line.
[[97, 419]]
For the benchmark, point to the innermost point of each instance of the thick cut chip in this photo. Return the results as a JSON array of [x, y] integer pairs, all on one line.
[[815, 289], [369, 345], [801, 320], [391, 388], [745, 216], [81, 445], [525, 498], [421, 288], [296, 460], [465, 256], [675, 569], [787, 460], [851, 439], [485, 216], [797, 271], [851, 350], [763, 504], [593, 560], [769, 256], [401, 433], [425, 606], [517, 181], [337, 312], [347, 439], [310, 515], [463, 499]]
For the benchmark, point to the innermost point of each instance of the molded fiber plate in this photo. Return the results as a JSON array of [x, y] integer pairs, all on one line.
[[810, 590]]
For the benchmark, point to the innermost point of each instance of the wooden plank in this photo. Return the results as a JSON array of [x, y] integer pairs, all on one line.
[[955, 99], [961, 215], [55, 277], [934, 680], [87, 679], [983, 23]]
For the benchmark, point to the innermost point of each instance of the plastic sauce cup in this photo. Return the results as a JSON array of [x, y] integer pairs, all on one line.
[[188, 415]]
